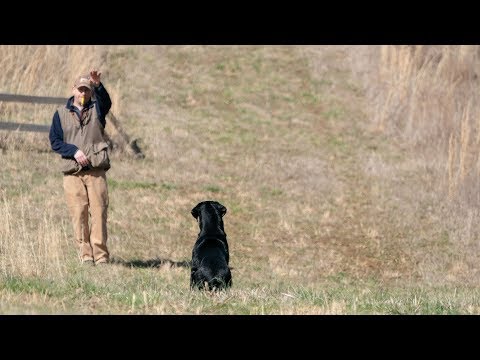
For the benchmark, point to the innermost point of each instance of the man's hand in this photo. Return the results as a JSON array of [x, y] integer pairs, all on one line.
[[95, 77], [81, 158]]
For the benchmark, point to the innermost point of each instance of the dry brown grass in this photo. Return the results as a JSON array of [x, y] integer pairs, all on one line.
[[424, 99], [335, 164]]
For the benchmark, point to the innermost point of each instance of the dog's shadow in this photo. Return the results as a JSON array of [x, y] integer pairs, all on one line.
[[150, 263]]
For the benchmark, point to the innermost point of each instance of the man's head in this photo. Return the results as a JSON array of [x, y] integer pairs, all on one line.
[[82, 89], [83, 81]]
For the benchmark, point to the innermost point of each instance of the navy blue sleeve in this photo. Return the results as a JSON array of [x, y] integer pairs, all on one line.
[[104, 103], [56, 139]]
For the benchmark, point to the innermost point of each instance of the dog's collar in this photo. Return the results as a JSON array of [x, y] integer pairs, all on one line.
[[220, 237]]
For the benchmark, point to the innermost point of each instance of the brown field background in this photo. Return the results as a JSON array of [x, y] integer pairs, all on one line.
[[350, 175]]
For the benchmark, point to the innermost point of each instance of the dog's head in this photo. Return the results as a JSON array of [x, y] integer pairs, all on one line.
[[202, 206]]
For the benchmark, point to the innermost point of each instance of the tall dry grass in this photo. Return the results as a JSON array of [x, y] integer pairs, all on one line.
[[32, 243], [47, 70], [428, 97], [425, 99]]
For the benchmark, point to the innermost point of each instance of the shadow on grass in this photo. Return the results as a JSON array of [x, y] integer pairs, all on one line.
[[150, 263]]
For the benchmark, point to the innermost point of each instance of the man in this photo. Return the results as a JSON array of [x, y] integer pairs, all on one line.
[[77, 134]]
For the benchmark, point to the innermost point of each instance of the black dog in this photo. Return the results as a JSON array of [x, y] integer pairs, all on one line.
[[210, 253]]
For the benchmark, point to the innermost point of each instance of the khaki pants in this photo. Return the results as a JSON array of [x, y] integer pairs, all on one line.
[[86, 191]]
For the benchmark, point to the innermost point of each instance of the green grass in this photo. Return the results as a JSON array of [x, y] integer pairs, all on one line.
[[140, 291]]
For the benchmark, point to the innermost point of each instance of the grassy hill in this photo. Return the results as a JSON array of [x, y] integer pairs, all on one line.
[[342, 197]]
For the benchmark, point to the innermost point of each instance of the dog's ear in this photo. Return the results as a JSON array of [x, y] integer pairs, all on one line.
[[221, 208], [195, 211]]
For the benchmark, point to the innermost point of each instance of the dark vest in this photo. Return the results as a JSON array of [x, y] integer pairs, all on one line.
[[88, 136]]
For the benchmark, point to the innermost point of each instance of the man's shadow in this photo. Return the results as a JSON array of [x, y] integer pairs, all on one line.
[[149, 263]]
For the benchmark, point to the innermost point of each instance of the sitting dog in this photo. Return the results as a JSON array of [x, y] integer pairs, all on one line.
[[210, 253]]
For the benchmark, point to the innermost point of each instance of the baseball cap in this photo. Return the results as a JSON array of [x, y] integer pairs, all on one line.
[[83, 80]]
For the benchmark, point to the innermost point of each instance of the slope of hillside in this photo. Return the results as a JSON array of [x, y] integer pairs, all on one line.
[[318, 220]]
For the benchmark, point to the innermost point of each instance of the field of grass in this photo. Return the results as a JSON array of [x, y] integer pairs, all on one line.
[[347, 172]]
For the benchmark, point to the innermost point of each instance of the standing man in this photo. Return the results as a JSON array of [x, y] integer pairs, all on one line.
[[77, 134]]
